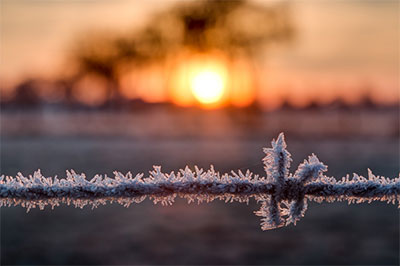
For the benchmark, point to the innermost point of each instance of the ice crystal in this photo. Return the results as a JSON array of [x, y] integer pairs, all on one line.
[[283, 196]]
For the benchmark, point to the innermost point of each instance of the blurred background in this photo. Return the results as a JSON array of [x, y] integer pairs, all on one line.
[[98, 86]]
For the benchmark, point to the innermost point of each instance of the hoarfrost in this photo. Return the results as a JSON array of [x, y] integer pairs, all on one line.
[[283, 196]]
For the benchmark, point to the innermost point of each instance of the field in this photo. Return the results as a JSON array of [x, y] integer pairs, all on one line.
[[215, 233]]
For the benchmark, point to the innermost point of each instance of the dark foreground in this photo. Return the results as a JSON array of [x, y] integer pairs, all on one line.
[[215, 233]]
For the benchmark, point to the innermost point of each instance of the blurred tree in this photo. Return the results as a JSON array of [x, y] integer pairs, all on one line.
[[26, 94], [235, 27]]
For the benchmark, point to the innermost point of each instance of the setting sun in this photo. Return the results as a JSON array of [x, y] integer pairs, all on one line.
[[210, 80], [207, 86], [200, 79]]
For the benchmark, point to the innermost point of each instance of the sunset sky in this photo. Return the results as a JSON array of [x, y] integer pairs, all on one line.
[[342, 48]]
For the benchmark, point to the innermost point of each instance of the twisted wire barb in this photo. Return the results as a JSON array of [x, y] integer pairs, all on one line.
[[283, 196]]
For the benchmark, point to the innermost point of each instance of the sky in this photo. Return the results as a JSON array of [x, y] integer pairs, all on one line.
[[339, 44]]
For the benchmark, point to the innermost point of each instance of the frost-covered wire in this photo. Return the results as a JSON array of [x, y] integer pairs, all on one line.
[[283, 196]]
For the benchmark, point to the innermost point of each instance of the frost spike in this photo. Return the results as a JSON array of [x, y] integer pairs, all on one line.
[[283, 196], [277, 162]]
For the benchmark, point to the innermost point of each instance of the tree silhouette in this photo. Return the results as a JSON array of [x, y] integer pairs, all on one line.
[[235, 27]]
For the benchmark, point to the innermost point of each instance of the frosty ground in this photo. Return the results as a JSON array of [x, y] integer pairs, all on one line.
[[215, 233]]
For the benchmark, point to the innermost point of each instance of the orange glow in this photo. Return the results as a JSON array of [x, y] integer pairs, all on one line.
[[207, 86], [211, 81], [145, 83], [242, 84], [91, 90], [179, 86]]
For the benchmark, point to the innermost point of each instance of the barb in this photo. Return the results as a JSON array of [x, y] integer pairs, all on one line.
[[283, 196]]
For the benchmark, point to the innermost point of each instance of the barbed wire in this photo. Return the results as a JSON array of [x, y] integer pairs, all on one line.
[[283, 195]]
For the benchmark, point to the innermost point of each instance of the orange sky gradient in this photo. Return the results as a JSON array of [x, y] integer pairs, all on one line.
[[342, 49]]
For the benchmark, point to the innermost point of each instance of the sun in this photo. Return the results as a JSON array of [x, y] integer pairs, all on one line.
[[207, 86]]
